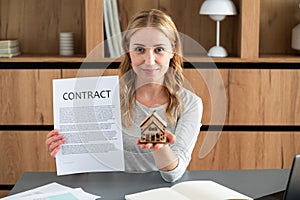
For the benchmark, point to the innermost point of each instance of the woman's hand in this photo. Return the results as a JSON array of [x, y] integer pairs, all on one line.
[[171, 138], [53, 142]]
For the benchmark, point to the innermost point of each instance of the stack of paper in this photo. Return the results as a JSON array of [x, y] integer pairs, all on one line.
[[53, 191], [9, 48]]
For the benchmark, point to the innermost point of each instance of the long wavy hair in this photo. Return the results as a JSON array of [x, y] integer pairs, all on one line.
[[173, 78]]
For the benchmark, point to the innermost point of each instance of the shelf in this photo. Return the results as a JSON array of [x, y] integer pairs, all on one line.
[[37, 24], [280, 58], [44, 58], [265, 58]]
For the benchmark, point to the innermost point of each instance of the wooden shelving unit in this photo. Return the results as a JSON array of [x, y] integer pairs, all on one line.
[[260, 32]]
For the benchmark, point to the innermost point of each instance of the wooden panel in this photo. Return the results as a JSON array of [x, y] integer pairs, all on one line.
[[4, 193], [264, 97], [190, 25], [248, 150], [128, 8], [23, 151], [249, 11], [208, 84], [94, 26], [26, 96], [276, 23], [254, 97], [36, 24]]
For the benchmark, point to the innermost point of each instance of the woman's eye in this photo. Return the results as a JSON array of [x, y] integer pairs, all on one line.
[[159, 50], [140, 49]]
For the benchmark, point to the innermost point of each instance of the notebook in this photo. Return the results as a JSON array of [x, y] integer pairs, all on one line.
[[292, 191]]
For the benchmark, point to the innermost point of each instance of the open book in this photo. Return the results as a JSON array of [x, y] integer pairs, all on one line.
[[190, 190]]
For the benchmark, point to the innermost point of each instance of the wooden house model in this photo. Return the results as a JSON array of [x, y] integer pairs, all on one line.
[[153, 130]]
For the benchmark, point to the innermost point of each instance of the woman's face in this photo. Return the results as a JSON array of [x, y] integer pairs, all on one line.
[[150, 53]]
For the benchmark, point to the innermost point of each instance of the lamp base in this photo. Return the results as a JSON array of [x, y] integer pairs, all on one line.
[[217, 51]]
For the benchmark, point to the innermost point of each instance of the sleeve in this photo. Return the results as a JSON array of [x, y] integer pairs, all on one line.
[[186, 131]]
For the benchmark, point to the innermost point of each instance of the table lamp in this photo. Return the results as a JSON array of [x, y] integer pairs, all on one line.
[[217, 11]]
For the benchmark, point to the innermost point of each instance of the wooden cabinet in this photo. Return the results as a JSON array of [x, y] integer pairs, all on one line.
[[254, 97]]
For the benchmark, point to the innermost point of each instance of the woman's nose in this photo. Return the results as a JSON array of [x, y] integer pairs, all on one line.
[[149, 57]]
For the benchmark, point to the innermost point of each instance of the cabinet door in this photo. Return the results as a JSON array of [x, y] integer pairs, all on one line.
[[253, 96], [22, 151], [264, 97], [248, 150], [26, 96]]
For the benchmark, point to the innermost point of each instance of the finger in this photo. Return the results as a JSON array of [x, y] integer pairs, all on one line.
[[54, 138], [52, 133], [50, 136], [142, 146], [158, 146], [148, 145], [54, 152], [56, 144], [171, 138]]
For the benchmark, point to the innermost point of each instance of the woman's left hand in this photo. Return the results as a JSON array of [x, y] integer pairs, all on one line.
[[171, 138]]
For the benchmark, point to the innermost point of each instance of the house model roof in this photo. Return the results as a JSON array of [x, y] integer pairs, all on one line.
[[154, 114]]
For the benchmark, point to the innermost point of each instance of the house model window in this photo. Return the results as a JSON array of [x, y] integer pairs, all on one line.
[[153, 130]]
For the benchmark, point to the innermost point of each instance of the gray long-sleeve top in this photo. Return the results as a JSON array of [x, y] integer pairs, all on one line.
[[186, 129]]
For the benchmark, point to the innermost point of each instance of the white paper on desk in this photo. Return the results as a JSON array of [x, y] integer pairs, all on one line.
[[50, 190], [51, 187], [87, 113], [72, 194]]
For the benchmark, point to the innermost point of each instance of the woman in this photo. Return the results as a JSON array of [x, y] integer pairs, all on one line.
[[151, 80]]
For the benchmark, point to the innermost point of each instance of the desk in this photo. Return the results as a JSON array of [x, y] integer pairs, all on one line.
[[114, 185]]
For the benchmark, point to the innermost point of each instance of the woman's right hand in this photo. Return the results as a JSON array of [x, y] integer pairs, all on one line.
[[53, 142]]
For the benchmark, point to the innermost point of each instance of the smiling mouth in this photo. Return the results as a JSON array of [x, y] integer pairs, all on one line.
[[149, 70]]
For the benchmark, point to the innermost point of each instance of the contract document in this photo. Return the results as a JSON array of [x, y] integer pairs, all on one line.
[[87, 113]]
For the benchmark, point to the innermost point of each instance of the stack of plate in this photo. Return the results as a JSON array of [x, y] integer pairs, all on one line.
[[66, 43]]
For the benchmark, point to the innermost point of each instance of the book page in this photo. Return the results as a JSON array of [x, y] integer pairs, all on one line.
[[156, 194], [87, 113], [207, 190]]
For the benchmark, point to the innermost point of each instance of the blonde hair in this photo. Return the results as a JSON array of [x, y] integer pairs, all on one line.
[[173, 78]]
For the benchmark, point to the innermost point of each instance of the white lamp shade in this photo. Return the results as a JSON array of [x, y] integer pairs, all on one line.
[[217, 7]]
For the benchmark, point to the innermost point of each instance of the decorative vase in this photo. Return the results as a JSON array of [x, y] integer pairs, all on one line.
[[296, 37]]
